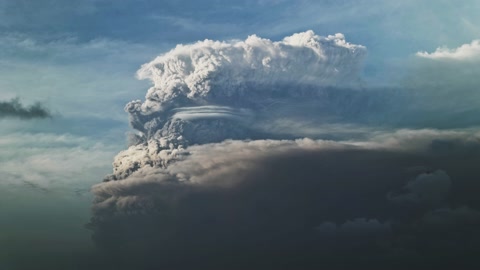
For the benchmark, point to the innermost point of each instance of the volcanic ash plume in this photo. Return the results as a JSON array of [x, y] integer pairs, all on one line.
[[210, 91], [208, 183]]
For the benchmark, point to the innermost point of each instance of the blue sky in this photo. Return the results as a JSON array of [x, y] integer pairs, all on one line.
[[79, 58]]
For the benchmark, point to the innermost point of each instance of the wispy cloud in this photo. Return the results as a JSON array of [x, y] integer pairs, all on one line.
[[49, 161], [64, 48]]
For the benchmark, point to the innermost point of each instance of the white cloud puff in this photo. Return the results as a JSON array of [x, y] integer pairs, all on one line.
[[466, 52]]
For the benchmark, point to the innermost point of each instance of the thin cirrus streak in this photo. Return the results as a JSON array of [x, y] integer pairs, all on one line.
[[211, 112]]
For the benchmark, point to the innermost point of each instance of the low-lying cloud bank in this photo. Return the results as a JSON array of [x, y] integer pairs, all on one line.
[[300, 203]]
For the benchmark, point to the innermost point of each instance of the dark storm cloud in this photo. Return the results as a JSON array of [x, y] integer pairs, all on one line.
[[14, 108]]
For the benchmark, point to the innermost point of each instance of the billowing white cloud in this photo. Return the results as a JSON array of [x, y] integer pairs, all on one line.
[[466, 52], [210, 91], [212, 70], [244, 75]]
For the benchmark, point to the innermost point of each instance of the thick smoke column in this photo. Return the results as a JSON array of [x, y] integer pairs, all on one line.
[[242, 74], [211, 91]]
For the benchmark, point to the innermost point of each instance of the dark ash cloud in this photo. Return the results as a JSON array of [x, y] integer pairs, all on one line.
[[296, 205], [14, 108]]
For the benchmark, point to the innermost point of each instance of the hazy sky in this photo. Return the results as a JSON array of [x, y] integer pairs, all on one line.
[[73, 65]]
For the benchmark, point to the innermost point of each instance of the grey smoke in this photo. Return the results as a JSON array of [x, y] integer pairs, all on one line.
[[209, 181], [318, 200], [14, 108]]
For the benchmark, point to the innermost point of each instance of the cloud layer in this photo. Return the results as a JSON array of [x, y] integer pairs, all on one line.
[[243, 203]]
